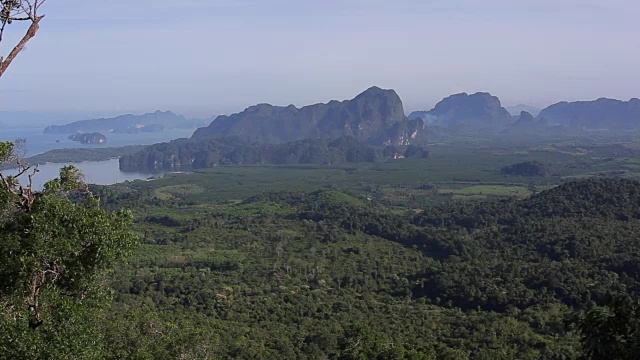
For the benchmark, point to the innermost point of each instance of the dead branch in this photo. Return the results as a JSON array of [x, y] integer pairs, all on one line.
[[25, 192], [18, 10], [31, 32]]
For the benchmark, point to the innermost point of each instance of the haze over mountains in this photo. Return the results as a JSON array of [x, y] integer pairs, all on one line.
[[151, 122], [516, 110], [482, 110], [605, 114], [30, 119], [376, 116], [479, 110]]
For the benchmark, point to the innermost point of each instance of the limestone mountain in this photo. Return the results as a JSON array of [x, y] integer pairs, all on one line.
[[609, 114], [515, 110], [526, 124], [151, 122], [525, 118], [479, 110], [376, 116]]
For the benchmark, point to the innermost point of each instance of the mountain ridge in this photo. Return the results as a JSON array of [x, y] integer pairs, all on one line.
[[375, 116], [602, 113]]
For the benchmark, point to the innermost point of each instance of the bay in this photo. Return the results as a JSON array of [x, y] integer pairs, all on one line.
[[38, 142], [95, 172]]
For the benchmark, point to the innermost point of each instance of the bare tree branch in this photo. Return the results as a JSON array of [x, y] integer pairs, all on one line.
[[18, 10]]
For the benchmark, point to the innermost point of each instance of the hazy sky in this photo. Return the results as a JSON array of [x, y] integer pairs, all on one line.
[[218, 56]]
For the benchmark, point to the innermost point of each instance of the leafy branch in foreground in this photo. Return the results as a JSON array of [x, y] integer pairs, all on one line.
[[56, 246], [611, 331]]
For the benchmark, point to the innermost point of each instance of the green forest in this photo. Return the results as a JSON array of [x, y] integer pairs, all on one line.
[[404, 259], [329, 231], [185, 154], [328, 274]]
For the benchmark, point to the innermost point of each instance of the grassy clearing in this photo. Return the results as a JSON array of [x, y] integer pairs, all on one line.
[[458, 171], [178, 191], [489, 190]]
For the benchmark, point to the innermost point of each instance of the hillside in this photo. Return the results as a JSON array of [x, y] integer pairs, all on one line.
[[186, 154], [331, 274], [376, 117], [527, 168], [151, 122], [608, 114]]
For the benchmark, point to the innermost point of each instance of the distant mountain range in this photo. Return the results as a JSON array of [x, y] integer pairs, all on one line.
[[151, 122], [34, 119], [482, 110], [339, 131], [376, 117], [602, 114], [272, 134]]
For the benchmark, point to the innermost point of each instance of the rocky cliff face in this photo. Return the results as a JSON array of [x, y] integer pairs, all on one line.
[[376, 116], [404, 132], [608, 114]]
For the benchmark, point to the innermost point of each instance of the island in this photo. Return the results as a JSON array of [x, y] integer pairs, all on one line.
[[130, 124], [89, 138]]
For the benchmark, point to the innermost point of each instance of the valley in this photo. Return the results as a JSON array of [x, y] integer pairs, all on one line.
[[319, 180], [445, 257]]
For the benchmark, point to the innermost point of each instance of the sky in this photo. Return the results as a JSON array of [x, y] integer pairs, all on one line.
[[206, 57]]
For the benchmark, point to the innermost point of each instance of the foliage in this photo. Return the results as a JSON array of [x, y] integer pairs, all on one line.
[[198, 154], [56, 245], [328, 273], [613, 330], [527, 168], [317, 261]]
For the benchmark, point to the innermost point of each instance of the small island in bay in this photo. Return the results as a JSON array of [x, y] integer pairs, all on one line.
[[89, 138]]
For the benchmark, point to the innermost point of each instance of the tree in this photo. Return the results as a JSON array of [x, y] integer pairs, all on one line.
[[56, 246], [611, 331], [18, 11]]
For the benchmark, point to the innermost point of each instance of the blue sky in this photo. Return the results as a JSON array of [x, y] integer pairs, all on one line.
[[204, 57]]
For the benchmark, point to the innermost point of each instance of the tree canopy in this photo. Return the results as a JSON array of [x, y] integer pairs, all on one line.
[[56, 246]]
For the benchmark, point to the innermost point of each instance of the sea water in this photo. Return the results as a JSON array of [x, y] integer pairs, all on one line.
[[95, 172]]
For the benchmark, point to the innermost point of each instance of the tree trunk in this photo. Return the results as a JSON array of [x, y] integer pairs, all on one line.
[[31, 32]]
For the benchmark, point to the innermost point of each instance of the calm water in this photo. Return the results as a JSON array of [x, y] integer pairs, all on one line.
[[96, 172], [37, 142]]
